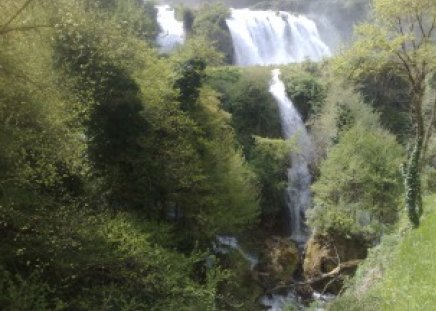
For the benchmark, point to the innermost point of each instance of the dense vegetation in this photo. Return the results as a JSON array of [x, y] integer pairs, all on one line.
[[398, 274], [119, 167]]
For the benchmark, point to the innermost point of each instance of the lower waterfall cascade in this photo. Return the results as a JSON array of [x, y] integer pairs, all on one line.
[[299, 179]]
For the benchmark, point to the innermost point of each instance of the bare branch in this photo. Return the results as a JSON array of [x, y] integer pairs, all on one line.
[[22, 77], [23, 7], [408, 69], [412, 30], [432, 27], [429, 130], [421, 25], [24, 28], [403, 44], [335, 274]]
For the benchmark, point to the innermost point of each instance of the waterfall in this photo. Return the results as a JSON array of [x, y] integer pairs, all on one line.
[[299, 179], [274, 38], [226, 242], [172, 32]]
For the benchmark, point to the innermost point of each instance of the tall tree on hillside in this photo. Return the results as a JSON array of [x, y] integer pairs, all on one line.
[[401, 39]]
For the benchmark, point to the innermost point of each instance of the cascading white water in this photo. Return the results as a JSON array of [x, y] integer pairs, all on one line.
[[226, 241], [172, 32], [273, 38], [299, 178], [268, 38]]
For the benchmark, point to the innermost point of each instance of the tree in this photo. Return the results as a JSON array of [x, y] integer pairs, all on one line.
[[270, 158], [254, 111], [359, 184], [210, 22], [401, 39]]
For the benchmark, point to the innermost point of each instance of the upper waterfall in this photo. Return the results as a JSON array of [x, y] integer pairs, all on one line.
[[172, 32], [274, 38]]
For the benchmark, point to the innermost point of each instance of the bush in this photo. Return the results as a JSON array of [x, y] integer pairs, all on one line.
[[26, 294]]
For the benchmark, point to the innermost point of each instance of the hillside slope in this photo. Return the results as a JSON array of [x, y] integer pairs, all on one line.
[[400, 274]]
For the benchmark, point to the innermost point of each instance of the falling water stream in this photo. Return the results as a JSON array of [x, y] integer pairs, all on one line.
[[274, 38], [299, 178], [171, 32], [263, 38]]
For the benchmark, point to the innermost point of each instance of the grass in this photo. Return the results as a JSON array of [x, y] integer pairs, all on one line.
[[400, 274]]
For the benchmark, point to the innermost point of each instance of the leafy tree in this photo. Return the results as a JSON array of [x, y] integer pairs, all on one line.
[[304, 87], [254, 111], [359, 183], [224, 199], [189, 83], [224, 81], [96, 104], [343, 108], [270, 158], [401, 39], [210, 22], [117, 166], [133, 17]]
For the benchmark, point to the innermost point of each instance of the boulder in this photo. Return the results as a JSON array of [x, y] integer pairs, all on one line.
[[278, 262], [330, 258]]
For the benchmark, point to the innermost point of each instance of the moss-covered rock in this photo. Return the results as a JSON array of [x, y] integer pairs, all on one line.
[[240, 289], [278, 262]]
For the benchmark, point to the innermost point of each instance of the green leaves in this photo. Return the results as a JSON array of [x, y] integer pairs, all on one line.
[[359, 184]]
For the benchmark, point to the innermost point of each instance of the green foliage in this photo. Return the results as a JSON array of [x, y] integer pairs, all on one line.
[[97, 260], [29, 294], [400, 40], [359, 185], [191, 76], [199, 47], [343, 108], [224, 80], [230, 195], [254, 111], [210, 22], [398, 274], [304, 87], [238, 291], [387, 93], [270, 158], [117, 166], [133, 17], [244, 94], [255, 118]]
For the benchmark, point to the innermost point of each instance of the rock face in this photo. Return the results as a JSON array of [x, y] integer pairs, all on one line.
[[330, 258], [278, 262]]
